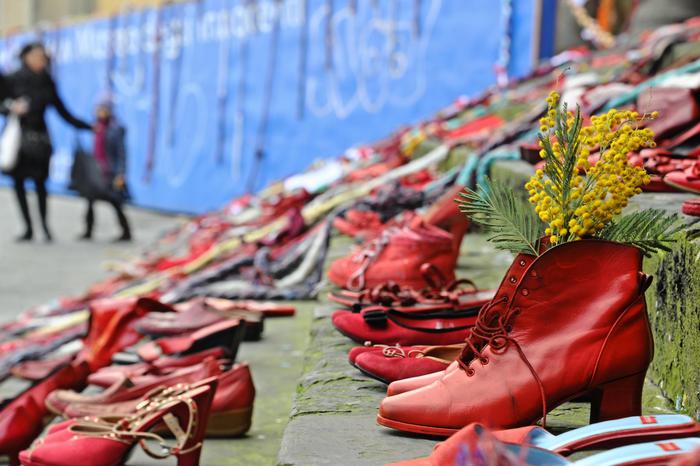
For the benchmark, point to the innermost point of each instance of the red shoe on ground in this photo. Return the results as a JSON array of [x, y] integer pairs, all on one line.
[[686, 180], [355, 352], [386, 326], [99, 443], [397, 363], [231, 410], [601, 334], [691, 207], [397, 255]]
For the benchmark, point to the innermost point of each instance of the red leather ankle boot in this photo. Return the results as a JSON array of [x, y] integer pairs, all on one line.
[[396, 255], [573, 322], [445, 214]]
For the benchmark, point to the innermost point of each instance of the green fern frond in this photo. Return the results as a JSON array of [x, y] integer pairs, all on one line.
[[651, 230], [511, 222]]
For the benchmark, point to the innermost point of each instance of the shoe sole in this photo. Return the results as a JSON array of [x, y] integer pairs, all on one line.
[[369, 374], [233, 423], [416, 428]]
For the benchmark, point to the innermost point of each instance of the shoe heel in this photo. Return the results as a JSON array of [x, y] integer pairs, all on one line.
[[232, 423], [189, 459], [618, 399]]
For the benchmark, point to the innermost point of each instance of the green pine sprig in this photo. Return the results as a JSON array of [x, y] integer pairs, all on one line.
[[651, 230], [510, 221]]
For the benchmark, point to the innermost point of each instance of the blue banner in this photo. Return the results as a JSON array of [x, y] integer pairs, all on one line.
[[220, 97]]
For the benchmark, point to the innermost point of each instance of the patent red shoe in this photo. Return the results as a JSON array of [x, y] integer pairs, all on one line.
[[394, 363], [99, 443], [397, 255], [58, 400], [509, 376], [386, 326], [231, 411]]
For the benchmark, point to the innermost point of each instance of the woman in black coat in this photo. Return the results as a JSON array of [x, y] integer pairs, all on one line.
[[34, 90]]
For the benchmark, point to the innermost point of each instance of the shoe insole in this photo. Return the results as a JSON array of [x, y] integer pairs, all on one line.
[[607, 429]]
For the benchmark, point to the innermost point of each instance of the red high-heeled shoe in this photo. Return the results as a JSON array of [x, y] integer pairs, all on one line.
[[100, 443], [231, 410]]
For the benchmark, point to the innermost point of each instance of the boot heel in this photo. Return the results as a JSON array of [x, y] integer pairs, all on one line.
[[232, 423], [618, 399], [189, 459]]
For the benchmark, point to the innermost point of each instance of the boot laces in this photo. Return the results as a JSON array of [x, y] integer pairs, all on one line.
[[492, 330]]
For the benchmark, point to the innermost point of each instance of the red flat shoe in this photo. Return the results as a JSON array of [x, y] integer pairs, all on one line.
[[686, 180], [355, 352], [386, 326], [268, 309], [691, 207], [106, 444], [107, 376], [397, 255], [227, 334], [607, 346], [393, 364]]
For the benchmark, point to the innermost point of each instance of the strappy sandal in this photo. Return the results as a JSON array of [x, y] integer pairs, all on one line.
[[101, 443]]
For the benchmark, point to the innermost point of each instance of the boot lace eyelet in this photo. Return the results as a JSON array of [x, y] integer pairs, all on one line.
[[509, 328], [484, 361], [522, 262], [512, 279], [470, 372]]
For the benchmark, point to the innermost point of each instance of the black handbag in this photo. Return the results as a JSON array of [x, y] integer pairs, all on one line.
[[86, 177]]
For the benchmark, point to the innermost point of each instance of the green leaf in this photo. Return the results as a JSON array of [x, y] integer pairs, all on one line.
[[511, 222], [651, 230]]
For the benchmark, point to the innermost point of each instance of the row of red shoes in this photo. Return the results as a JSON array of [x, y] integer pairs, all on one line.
[[454, 355], [185, 382]]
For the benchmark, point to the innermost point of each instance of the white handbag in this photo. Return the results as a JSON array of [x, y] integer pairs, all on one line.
[[10, 140]]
